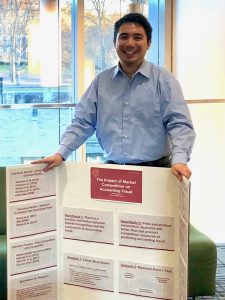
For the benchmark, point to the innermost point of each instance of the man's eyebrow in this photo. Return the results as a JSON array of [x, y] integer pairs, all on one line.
[[123, 33], [138, 34], [135, 34]]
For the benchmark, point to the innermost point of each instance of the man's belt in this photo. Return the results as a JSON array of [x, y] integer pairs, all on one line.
[[164, 161]]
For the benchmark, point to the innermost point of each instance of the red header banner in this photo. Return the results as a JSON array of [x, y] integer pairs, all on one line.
[[116, 185]]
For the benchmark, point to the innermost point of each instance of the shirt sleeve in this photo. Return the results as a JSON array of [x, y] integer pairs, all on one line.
[[84, 123], [177, 120]]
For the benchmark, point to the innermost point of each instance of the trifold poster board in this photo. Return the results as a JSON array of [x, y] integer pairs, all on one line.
[[96, 231]]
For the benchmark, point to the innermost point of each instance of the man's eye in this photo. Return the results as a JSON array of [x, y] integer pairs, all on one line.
[[123, 37], [138, 38]]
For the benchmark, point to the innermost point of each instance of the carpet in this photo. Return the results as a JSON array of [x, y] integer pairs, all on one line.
[[220, 276]]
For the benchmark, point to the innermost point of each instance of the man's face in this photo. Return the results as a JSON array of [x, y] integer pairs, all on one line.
[[131, 44]]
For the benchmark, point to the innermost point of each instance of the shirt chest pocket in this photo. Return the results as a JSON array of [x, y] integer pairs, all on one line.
[[146, 112]]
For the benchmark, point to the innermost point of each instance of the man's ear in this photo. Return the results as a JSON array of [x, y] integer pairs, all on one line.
[[149, 45]]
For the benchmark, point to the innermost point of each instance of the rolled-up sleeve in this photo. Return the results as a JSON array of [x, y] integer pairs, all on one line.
[[177, 120]]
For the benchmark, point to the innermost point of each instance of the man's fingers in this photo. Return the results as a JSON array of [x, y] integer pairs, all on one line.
[[38, 161], [49, 167], [177, 174], [180, 170], [51, 162], [187, 174]]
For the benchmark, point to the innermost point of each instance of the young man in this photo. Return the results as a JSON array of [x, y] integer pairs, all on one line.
[[136, 108]]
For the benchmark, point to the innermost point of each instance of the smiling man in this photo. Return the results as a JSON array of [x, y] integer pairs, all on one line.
[[136, 108], [131, 43]]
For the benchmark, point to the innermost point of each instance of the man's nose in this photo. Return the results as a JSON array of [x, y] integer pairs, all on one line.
[[130, 41]]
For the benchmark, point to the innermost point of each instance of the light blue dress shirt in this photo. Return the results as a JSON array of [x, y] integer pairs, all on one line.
[[136, 120]]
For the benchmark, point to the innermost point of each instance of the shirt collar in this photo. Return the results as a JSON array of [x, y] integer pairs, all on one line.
[[116, 71], [144, 70]]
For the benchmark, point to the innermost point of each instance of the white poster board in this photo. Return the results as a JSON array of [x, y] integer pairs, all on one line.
[[95, 231]]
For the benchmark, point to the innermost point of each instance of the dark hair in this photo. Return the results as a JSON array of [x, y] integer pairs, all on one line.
[[134, 18]]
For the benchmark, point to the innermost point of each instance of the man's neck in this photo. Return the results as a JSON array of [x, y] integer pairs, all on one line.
[[131, 69]]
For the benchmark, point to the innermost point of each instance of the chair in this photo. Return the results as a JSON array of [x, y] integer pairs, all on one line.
[[202, 264]]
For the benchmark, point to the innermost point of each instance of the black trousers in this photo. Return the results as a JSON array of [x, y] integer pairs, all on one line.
[[164, 162]]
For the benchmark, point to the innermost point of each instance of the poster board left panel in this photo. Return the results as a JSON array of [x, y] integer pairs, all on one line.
[[3, 200], [32, 233], [3, 247]]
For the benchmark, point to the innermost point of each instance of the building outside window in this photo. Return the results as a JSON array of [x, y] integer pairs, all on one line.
[[48, 61]]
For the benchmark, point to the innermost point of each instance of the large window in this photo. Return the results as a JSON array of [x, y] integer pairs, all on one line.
[[49, 53], [35, 51], [35, 78]]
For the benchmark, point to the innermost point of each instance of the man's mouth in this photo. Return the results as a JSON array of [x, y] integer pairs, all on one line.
[[130, 52]]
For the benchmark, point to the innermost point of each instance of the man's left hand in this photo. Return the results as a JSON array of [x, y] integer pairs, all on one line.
[[180, 170]]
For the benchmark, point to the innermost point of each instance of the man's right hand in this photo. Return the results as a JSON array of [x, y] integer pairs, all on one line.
[[52, 161]]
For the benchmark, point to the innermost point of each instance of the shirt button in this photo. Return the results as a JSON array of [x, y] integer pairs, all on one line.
[[126, 103], [125, 136], [125, 153], [125, 118]]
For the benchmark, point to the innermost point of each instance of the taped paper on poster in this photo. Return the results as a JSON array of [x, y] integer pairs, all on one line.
[[88, 225], [90, 272], [145, 231]]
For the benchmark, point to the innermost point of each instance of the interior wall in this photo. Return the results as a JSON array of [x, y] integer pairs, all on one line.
[[208, 167], [199, 65], [199, 44]]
